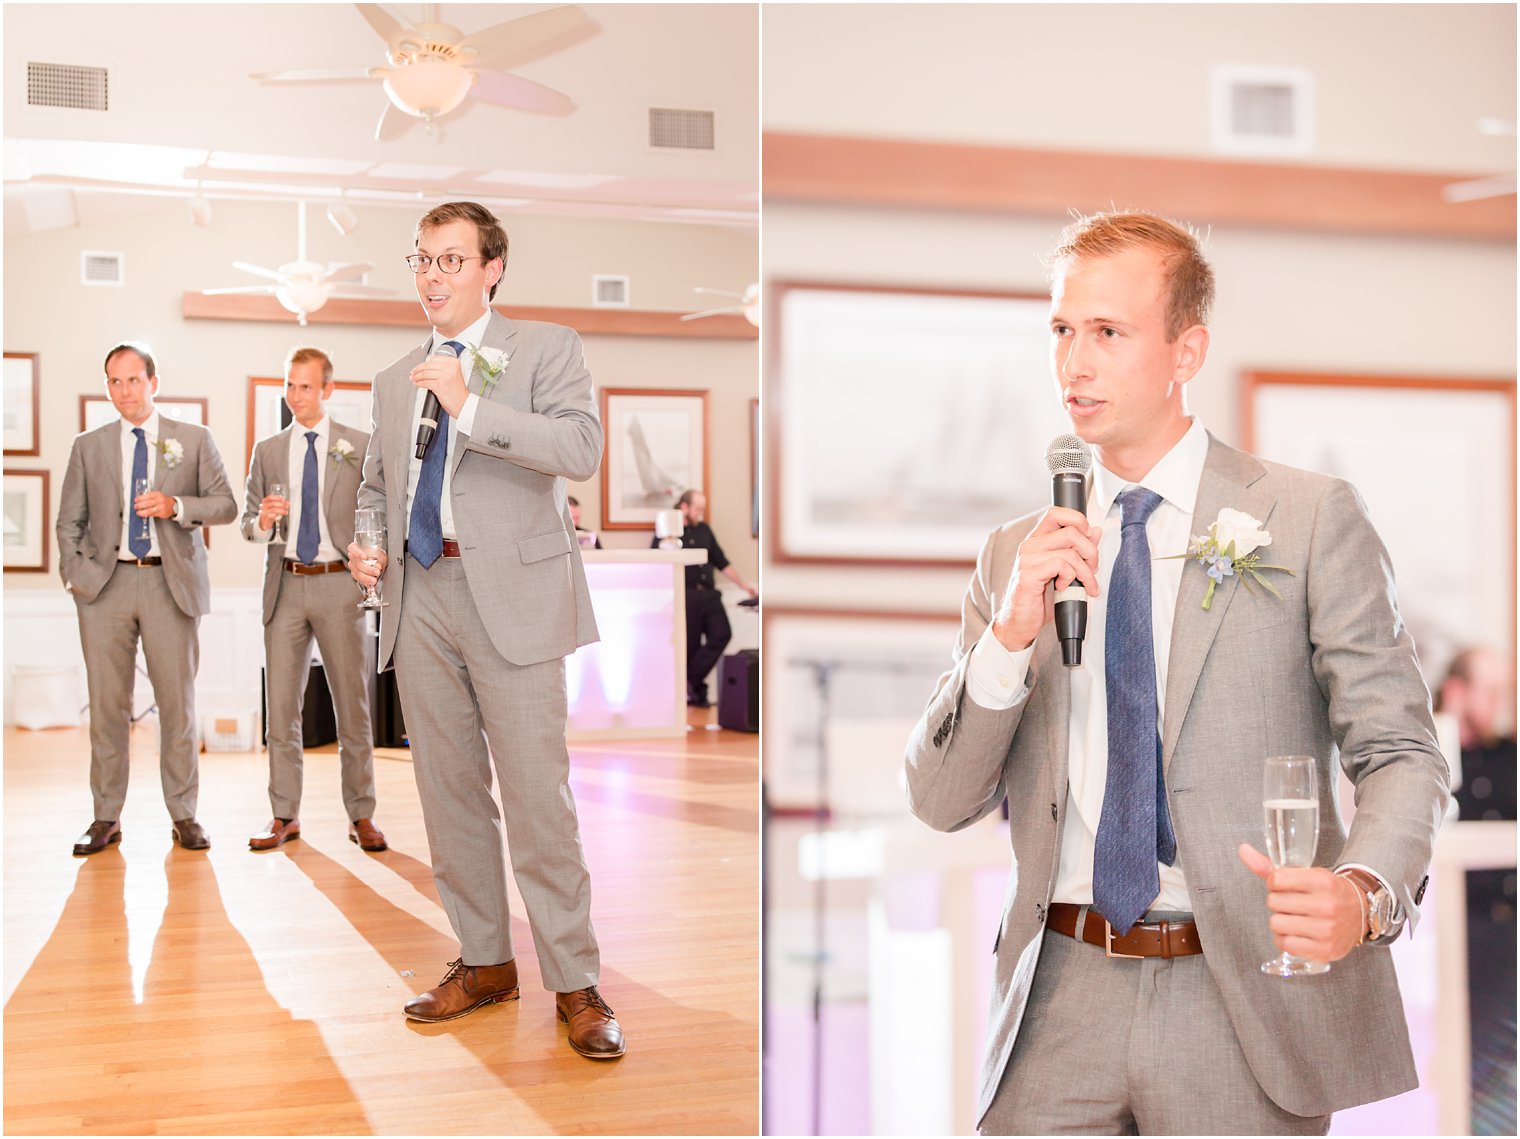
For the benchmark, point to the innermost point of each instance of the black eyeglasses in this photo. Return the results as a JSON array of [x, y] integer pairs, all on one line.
[[449, 262]]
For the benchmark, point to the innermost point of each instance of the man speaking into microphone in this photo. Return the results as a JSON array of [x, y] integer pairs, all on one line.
[[1128, 995], [475, 433]]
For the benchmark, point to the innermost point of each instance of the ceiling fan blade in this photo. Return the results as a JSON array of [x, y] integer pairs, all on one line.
[[712, 312], [393, 124], [347, 272], [717, 292], [529, 37], [1477, 189], [384, 21], [248, 290], [507, 90], [339, 289], [313, 75], [257, 270]]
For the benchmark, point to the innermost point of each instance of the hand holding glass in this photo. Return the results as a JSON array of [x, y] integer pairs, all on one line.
[[280, 491], [369, 536], [1290, 796]]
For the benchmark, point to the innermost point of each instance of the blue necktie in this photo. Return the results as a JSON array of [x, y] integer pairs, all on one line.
[[307, 536], [424, 535], [139, 540], [1135, 829]]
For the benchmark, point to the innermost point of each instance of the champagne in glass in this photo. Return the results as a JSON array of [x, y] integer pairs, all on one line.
[[369, 535], [140, 525], [1290, 797], [280, 491]]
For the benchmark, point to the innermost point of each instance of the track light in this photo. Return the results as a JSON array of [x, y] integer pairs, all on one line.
[[344, 220], [200, 208]]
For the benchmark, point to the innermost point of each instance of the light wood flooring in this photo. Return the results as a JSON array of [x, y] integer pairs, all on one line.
[[151, 990]]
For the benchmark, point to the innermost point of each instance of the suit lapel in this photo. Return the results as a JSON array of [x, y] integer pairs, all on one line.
[[1230, 481], [334, 469], [1055, 678], [108, 446], [499, 334], [167, 429], [399, 441]]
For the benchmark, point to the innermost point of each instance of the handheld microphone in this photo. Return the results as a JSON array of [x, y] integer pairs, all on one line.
[[427, 426], [1069, 460]]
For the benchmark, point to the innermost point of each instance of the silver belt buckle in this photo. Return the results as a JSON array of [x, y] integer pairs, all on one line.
[[1108, 945]]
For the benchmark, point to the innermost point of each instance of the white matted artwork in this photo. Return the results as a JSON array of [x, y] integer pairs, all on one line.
[[98, 410], [1435, 462], [25, 510], [656, 449], [831, 676], [21, 403], [906, 424]]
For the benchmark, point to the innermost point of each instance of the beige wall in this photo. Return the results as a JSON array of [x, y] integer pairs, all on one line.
[[552, 260]]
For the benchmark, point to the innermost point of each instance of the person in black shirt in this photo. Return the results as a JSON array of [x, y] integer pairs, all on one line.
[[707, 630]]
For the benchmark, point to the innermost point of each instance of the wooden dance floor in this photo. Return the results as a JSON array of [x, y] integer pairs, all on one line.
[[151, 990]]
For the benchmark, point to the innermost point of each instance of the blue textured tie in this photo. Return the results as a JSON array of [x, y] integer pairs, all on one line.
[[424, 535], [139, 541], [308, 537], [1135, 830]]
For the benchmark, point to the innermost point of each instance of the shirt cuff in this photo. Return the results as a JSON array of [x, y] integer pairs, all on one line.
[[265, 536], [995, 676], [179, 509], [466, 417]]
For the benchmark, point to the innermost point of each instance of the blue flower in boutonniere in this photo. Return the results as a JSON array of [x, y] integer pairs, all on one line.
[[341, 452], [490, 361], [171, 451], [1229, 548]]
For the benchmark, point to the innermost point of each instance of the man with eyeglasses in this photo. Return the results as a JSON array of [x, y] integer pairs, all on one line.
[[485, 602]]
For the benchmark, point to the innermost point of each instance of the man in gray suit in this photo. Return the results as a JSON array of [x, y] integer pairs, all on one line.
[[134, 575], [1128, 994], [308, 593], [486, 601]]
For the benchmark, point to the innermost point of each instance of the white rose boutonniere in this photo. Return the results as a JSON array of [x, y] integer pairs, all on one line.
[[491, 361], [341, 452], [1229, 548], [171, 452]]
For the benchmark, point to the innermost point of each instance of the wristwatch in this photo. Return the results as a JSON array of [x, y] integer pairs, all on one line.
[[1380, 904]]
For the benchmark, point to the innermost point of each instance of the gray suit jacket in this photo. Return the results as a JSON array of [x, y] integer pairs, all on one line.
[[1330, 671], [90, 512], [536, 427], [340, 492]]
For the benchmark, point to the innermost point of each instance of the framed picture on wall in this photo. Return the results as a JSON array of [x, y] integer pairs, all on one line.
[[26, 521], [349, 405], [657, 447], [1418, 450], [98, 410], [23, 400], [905, 424]]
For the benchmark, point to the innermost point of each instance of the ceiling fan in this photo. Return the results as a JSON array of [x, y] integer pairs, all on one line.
[[1496, 186], [304, 286], [748, 304], [435, 66]]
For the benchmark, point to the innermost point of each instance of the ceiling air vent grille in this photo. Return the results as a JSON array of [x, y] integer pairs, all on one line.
[[1263, 111], [67, 85], [609, 292], [671, 129], [101, 268]]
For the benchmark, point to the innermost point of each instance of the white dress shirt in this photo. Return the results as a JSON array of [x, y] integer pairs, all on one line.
[[295, 479], [129, 515], [465, 421]]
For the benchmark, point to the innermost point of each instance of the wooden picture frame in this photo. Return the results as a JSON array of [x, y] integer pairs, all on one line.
[[658, 446], [904, 424], [1417, 449], [98, 410], [23, 404], [351, 404], [27, 522], [754, 468]]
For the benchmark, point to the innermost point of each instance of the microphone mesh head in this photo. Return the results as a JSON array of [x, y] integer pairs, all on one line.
[[1067, 454]]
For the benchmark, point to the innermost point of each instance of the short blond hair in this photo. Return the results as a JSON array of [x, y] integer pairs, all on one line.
[[1189, 277], [305, 356]]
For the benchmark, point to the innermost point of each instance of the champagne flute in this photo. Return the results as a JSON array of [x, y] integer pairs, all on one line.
[[1290, 796], [369, 535], [279, 490], [140, 525]]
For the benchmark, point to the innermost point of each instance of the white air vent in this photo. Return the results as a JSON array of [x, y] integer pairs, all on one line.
[[1264, 111], [66, 85], [102, 268], [609, 292], [671, 129]]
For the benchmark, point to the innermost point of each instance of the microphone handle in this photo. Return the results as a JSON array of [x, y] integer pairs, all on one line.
[[427, 425], [1069, 490]]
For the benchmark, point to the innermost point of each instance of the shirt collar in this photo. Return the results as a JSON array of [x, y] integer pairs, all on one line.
[[149, 426], [471, 337], [321, 428], [1175, 476]]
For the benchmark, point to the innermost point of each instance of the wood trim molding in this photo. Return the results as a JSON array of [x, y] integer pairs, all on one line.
[[1015, 180], [404, 314]]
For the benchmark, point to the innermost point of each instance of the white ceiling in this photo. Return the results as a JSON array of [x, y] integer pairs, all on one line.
[[184, 112]]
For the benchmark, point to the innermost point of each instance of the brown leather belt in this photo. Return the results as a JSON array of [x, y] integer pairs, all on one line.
[[315, 567], [1157, 939], [140, 561], [450, 548]]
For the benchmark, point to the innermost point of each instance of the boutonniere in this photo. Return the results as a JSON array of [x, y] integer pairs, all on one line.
[[490, 361], [341, 452], [171, 451], [1229, 548]]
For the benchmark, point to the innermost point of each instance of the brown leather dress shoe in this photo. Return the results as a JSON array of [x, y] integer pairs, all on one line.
[[278, 831], [367, 835], [464, 989], [594, 1031], [191, 835], [102, 833]]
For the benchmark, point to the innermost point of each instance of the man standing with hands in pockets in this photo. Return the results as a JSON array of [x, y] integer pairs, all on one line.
[[487, 596], [1128, 995]]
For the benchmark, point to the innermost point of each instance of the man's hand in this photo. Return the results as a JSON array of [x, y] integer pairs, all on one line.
[[1062, 549], [442, 376], [154, 504], [1315, 913], [271, 507], [367, 566]]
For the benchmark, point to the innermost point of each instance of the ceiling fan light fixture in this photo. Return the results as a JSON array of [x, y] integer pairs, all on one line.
[[301, 297], [428, 88]]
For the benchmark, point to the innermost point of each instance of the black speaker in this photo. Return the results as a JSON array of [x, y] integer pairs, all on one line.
[[739, 691]]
